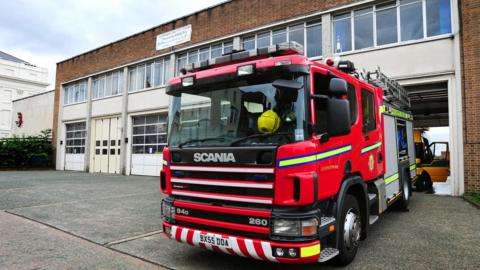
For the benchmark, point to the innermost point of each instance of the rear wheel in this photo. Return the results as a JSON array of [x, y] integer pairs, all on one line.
[[406, 193], [350, 230]]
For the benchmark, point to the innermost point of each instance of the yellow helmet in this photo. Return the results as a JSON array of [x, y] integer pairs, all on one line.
[[268, 122]]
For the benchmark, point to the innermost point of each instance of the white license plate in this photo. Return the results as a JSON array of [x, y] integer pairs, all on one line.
[[215, 240]]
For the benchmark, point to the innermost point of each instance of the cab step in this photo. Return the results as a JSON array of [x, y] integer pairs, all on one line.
[[327, 254], [373, 219]]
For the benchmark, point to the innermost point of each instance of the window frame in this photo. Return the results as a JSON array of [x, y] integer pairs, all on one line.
[[70, 90]]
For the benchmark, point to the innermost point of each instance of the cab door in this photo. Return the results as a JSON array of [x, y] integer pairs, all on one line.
[[371, 141]]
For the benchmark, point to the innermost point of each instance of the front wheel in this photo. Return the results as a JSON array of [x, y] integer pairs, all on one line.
[[350, 230]]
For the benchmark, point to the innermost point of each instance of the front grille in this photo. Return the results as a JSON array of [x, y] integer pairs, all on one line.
[[204, 192]]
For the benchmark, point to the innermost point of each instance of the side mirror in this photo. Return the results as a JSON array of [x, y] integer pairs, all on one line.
[[337, 87], [338, 117]]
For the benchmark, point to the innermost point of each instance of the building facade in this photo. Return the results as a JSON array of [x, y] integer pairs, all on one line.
[[36, 112], [111, 106], [18, 79]]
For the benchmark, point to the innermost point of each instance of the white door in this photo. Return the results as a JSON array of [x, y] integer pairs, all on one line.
[[149, 137], [75, 146], [106, 142]]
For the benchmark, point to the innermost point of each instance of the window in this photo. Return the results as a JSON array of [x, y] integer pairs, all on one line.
[[411, 19], [216, 51], [279, 36], [75, 138], [368, 111], [363, 28], [149, 134], [296, 33], [386, 24], [249, 43], [149, 75], [342, 33], [438, 17], [402, 139], [75, 93], [311, 32], [109, 84], [314, 39], [263, 40], [203, 54], [352, 101]]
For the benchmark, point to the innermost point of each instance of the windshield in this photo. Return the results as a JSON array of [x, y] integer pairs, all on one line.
[[230, 116]]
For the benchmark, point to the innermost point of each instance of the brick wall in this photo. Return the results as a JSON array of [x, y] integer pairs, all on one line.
[[225, 19], [470, 42]]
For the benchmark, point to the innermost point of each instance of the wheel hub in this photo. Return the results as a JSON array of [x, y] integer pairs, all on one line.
[[406, 193], [351, 229]]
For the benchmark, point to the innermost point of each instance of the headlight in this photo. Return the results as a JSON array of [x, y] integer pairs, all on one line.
[[290, 227], [168, 211]]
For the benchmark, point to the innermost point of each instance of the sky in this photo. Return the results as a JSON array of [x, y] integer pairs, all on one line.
[[44, 32]]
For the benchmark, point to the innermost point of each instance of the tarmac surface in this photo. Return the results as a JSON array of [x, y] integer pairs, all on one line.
[[71, 220]]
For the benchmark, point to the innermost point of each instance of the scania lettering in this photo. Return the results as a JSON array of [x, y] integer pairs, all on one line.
[[213, 157], [275, 157]]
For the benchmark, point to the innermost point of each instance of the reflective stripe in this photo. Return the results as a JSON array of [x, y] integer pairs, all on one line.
[[395, 112], [235, 247], [183, 235], [371, 147], [251, 249], [221, 197], [314, 158], [165, 163], [173, 231], [413, 167], [310, 251], [222, 169], [390, 179], [267, 250], [220, 183]]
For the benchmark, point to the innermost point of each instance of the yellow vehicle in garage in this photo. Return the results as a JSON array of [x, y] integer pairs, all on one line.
[[432, 159]]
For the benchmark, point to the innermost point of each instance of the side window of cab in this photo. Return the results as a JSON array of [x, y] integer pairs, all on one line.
[[368, 111]]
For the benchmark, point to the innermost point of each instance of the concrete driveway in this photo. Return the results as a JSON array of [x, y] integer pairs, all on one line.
[[70, 220]]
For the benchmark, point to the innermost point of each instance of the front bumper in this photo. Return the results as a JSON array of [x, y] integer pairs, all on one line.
[[309, 252]]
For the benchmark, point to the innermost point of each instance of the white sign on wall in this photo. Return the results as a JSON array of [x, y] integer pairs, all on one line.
[[174, 37]]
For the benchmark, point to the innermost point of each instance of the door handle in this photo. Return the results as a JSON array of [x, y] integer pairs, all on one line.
[[367, 138]]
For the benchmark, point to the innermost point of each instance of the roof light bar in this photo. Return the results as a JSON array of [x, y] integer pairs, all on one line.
[[286, 48]]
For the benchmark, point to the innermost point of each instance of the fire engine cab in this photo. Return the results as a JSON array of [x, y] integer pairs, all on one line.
[[275, 157]]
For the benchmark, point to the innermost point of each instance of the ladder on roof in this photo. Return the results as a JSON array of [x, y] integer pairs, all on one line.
[[393, 92]]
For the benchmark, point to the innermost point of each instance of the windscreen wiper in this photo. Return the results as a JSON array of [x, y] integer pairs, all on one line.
[[286, 134], [201, 140]]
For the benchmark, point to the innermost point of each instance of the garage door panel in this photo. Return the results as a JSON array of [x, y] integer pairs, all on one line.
[[148, 140]]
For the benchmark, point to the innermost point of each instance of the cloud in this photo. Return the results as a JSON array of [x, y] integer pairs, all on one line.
[[44, 32]]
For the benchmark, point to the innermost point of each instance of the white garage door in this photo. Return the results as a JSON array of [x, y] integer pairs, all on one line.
[[149, 137], [106, 145], [75, 146]]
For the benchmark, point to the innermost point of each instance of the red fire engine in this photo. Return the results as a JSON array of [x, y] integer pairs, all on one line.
[[276, 157]]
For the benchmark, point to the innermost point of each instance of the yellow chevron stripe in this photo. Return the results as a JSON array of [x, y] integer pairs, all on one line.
[[371, 147], [390, 179]]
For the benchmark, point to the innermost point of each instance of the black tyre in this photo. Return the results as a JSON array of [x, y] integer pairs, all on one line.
[[424, 182], [406, 188], [350, 231]]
